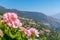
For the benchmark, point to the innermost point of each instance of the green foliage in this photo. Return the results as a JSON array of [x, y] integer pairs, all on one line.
[[1, 13], [12, 34]]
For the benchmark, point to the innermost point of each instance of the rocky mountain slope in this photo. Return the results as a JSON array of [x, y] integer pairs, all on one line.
[[37, 16]]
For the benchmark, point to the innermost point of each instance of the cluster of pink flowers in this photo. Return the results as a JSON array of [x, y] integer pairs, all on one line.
[[34, 31], [12, 20], [26, 31], [30, 31]]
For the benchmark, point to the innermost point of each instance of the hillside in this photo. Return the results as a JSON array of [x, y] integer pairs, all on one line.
[[57, 16], [37, 16], [45, 32]]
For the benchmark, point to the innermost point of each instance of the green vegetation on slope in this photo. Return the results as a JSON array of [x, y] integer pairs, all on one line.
[[45, 32]]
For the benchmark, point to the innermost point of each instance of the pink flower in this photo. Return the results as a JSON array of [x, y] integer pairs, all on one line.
[[10, 16], [1, 33], [26, 31], [22, 28], [12, 20], [34, 31]]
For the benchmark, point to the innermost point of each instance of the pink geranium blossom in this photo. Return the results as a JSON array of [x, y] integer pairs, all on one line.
[[26, 31], [10, 17], [1, 33], [34, 31], [12, 20]]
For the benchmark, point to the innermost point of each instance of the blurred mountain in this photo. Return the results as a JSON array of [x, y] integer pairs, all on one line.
[[57, 16], [37, 16]]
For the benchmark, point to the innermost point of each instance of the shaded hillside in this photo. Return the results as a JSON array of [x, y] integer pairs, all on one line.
[[31, 23], [45, 32], [37, 16], [57, 16]]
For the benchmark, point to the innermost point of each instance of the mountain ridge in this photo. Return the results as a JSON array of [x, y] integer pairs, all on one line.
[[37, 16], [57, 16]]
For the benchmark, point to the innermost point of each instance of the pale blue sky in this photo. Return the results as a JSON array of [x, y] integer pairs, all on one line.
[[48, 7]]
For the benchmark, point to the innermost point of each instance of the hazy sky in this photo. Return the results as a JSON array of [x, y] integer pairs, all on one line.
[[48, 7]]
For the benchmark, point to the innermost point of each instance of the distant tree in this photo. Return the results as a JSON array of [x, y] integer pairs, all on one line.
[[1, 13]]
